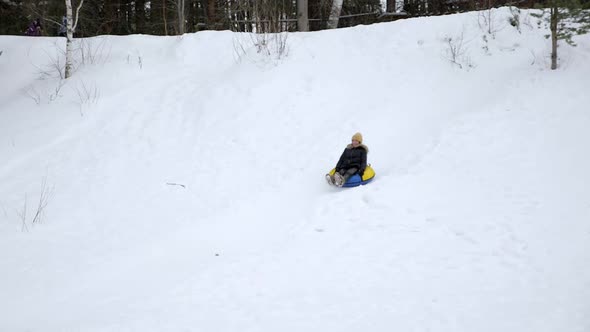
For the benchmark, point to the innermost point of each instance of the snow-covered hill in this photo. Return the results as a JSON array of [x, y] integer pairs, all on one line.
[[184, 190]]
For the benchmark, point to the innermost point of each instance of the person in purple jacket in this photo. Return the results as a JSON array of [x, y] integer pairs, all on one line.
[[34, 28]]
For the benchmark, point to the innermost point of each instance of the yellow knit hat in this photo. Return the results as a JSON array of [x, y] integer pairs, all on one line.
[[357, 137]]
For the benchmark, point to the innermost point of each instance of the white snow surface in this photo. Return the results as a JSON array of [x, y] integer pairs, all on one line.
[[478, 218]]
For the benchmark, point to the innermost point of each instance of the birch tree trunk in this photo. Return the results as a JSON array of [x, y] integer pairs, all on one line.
[[70, 37], [302, 15], [71, 28], [335, 14]]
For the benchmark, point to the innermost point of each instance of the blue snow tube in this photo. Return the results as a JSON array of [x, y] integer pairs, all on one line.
[[356, 180]]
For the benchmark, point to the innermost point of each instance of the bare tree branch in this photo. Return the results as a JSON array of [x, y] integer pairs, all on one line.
[[23, 216], [77, 15]]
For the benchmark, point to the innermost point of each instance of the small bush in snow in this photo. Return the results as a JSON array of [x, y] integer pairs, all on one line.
[[44, 197], [514, 18], [456, 51], [271, 46]]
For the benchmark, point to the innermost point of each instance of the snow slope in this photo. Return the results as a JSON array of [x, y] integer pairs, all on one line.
[[478, 220]]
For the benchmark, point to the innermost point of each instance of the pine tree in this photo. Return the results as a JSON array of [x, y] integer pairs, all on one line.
[[565, 19]]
